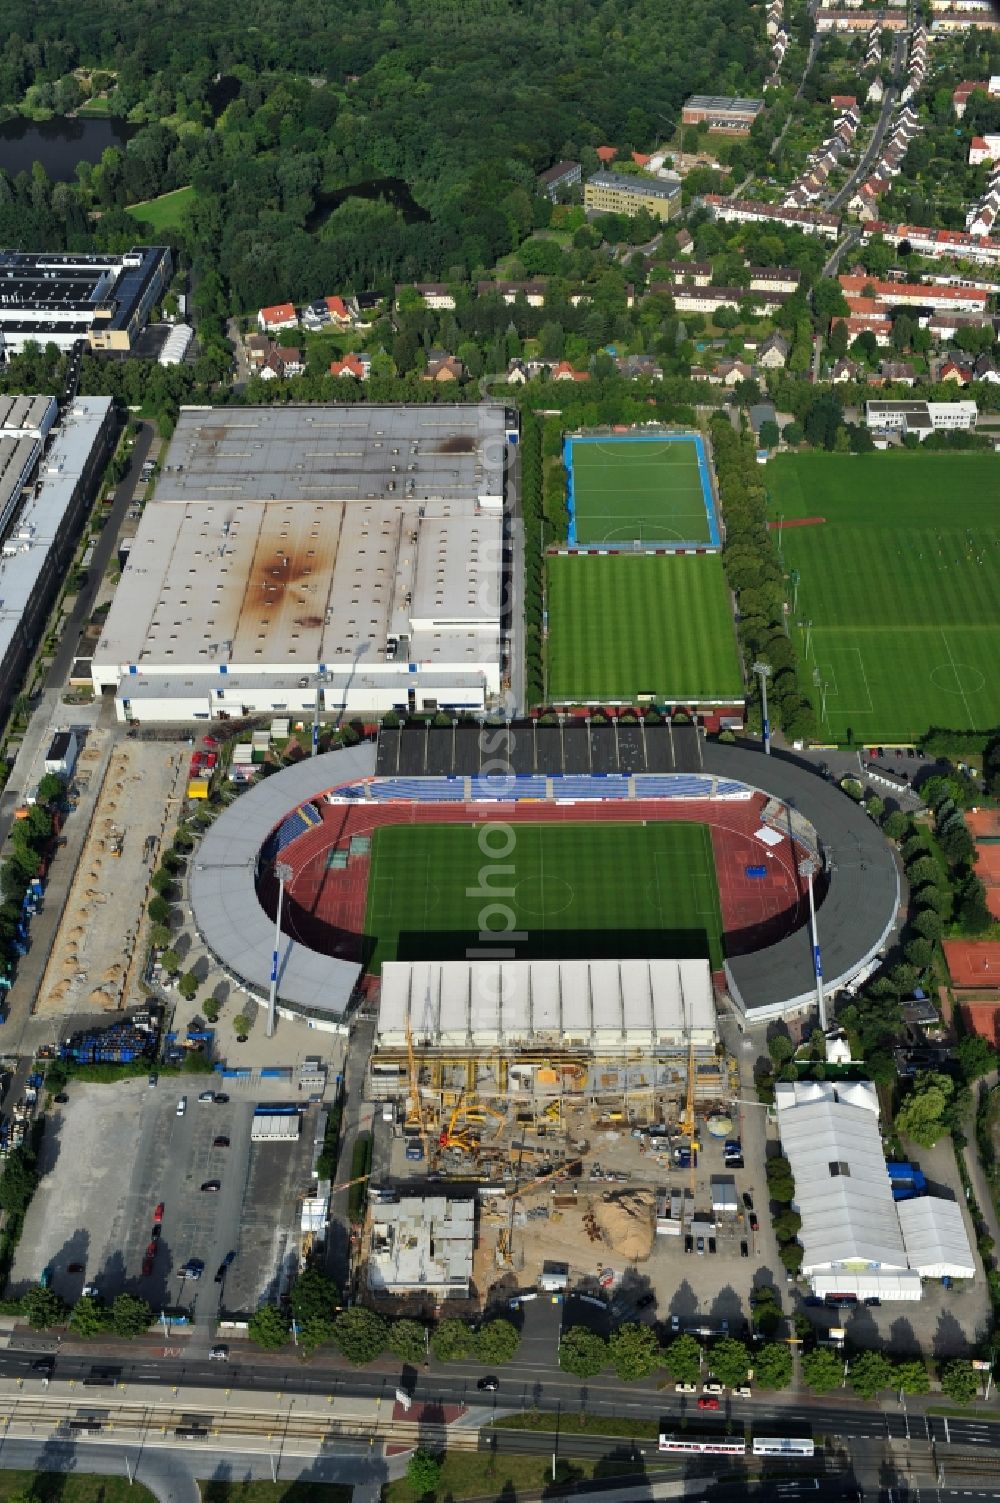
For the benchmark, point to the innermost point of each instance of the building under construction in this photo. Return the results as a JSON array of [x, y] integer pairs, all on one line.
[[491, 1056]]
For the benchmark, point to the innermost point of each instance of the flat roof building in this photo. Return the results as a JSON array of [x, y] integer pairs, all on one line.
[[921, 418], [56, 298], [561, 176], [619, 193], [422, 1245], [724, 114], [358, 545]]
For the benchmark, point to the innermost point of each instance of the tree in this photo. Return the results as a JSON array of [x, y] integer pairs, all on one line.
[[773, 1365], [268, 1328], [171, 962], [159, 910], [408, 1340], [89, 1317], [790, 1254], [582, 1352], [188, 986], [241, 1023], [730, 1362], [314, 1296], [922, 1116], [787, 1225], [895, 825], [682, 1359], [18, 1182], [360, 1334], [780, 1180], [912, 1377], [822, 1370], [958, 1381], [160, 936], [130, 1317], [423, 1472], [975, 1056], [43, 1307], [313, 1332], [453, 1341], [497, 1341], [792, 434], [769, 434], [780, 1048], [635, 1352], [870, 1373], [929, 924]]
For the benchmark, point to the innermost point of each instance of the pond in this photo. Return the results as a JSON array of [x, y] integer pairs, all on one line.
[[392, 189], [59, 143]]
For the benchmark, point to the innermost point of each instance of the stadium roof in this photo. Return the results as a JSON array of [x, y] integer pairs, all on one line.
[[588, 1003], [223, 889], [842, 1189]]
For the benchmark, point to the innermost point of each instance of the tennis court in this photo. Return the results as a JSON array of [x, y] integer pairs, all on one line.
[[445, 892], [625, 490]]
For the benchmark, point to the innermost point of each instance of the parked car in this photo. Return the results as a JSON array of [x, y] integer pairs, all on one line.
[[747, 1201], [182, 1106], [147, 1268], [700, 1246], [219, 1354], [210, 1186], [488, 1385], [689, 1244], [206, 1096], [713, 1387], [711, 1244], [744, 1249], [158, 1213], [685, 1388], [43, 1365], [704, 1403], [220, 1098], [220, 1142], [74, 1268], [743, 1393], [754, 1223], [156, 1231]]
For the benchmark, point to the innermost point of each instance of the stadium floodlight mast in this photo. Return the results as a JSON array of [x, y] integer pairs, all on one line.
[[320, 678], [793, 580], [283, 872], [809, 635], [807, 869], [763, 671], [820, 684]]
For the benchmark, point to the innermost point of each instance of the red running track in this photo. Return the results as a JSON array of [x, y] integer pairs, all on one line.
[[325, 909]]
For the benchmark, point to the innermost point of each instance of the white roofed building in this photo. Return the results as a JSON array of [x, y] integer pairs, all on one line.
[[421, 1245]]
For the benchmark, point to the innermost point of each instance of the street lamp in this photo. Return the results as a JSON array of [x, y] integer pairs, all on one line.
[[320, 676], [763, 671], [793, 579], [283, 872], [821, 686], [807, 869], [809, 631]]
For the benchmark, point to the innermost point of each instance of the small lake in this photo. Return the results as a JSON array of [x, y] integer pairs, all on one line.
[[59, 143], [392, 189]]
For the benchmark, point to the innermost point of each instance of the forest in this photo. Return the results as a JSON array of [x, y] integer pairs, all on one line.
[[265, 111]]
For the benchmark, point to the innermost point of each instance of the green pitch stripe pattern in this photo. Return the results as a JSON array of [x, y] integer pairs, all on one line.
[[625, 625], [901, 582], [628, 492], [620, 891]]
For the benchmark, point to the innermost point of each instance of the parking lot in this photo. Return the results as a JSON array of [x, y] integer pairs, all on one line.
[[96, 1209]]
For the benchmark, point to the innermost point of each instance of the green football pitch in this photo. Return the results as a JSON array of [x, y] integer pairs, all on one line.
[[900, 581], [628, 624], [628, 492], [572, 890]]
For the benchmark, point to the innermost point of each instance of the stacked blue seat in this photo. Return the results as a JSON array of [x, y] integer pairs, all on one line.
[[673, 785], [514, 786], [420, 790], [575, 785]]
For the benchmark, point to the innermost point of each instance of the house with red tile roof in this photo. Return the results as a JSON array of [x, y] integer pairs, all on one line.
[[356, 365], [280, 316], [338, 311], [607, 153], [565, 372]]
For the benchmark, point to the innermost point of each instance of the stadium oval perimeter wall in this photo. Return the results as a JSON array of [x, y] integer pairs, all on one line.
[[856, 917]]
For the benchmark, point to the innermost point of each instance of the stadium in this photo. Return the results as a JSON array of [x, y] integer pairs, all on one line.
[[637, 841]]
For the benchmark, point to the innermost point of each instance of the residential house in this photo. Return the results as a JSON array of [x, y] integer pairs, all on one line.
[[517, 373], [434, 294], [960, 96], [761, 413], [921, 294], [292, 360], [774, 352], [985, 369], [636, 367], [876, 91], [560, 178], [532, 292], [619, 193], [843, 101], [774, 279], [685, 242], [357, 365], [693, 273], [958, 375], [442, 367], [339, 312], [984, 149], [754, 211], [899, 372], [606, 154], [730, 373], [565, 372], [880, 327], [280, 316], [845, 370], [258, 347]]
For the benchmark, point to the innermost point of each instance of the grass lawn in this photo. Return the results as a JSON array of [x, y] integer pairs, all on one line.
[[99, 106], [70, 1487], [164, 213], [627, 625], [600, 890], [468, 1474], [648, 490], [901, 581], [274, 1492]]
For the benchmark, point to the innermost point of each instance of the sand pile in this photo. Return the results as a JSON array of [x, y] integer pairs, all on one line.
[[626, 1220]]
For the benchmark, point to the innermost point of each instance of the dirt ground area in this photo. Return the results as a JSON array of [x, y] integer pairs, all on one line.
[[97, 942]]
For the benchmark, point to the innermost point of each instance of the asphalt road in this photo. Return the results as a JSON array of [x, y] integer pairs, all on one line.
[[521, 1387]]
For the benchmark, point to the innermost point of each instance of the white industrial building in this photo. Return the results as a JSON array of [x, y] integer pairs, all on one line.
[[60, 297], [603, 1006], [422, 1245], [921, 418], [856, 1239], [351, 553]]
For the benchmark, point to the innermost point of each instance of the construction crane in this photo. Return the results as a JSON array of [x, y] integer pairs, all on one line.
[[416, 1113], [687, 1122]]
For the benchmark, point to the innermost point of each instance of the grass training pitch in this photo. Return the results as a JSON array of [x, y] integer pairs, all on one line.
[[900, 581], [633, 491], [574, 890], [625, 625]]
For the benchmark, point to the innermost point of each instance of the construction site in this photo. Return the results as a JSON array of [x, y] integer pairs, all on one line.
[[567, 1098]]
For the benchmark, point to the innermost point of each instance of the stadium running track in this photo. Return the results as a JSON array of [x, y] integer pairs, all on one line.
[[325, 909]]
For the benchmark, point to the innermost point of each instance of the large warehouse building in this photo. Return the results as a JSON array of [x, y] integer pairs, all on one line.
[[857, 1239], [352, 551], [48, 476], [55, 298]]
